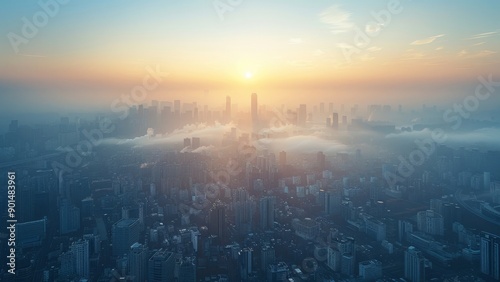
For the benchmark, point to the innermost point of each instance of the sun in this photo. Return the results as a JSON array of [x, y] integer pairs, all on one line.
[[248, 75]]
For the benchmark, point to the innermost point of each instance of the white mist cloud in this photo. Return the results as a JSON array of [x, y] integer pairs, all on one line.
[[483, 138], [207, 133]]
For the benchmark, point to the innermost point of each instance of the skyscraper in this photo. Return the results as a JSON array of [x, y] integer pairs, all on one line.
[[266, 212], [335, 121], [69, 217], [414, 265], [282, 159], [267, 256], [430, 222], [486, 180], [245, 257], [490, 255], [243, 214], [333, 201], [124, 233], [217, 221], [161, 266], [302, 115], [195, 143], [138, 260], [80, 251], [403, 228], [321, 160], [187, 270], [177, 108], [255, 117]]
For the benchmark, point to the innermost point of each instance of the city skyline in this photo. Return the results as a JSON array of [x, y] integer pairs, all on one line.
[[249, 141]]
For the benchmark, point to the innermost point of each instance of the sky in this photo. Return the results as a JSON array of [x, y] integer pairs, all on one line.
[[88, 52]]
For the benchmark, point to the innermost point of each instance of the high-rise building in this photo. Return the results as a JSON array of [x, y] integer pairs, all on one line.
[[490, 255], [243, 213], [333, 259], [161, 266], [31, 233], [187, 270], [138, 260], [177, 108], [80, 251], [245, 258], [335, 121], [430, 222], [255, 117], [403, 228], [195, 143], [370, 270], [277, 272], [187, 142], [266, 212], [333, 201], [414, 265], [69, 217], [124, 233], [217, 222], [267, 257], [302, 115], [282, 159], [348, 263], [486, 181], [321, 160]]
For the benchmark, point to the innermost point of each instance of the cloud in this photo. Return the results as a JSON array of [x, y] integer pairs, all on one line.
[[208, 134], [482, 35], [295, 41], [427, 40], [483, 138], [479, 43], [481, 54], [303, 144], [373, 28], [201, 149], [439, 48], [337, 19]]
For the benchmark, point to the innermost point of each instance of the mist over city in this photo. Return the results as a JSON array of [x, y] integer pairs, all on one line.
[[215, 141]]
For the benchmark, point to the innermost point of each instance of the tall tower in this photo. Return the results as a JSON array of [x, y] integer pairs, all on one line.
[[490, 255], [335, 121], [414, 265], [138, 259], [187, 270], [161, 266], [245, 257], [255, 117], [302, 115], [80, 251], [266, 212], [124, 233], [217, 221], [282, 159]]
